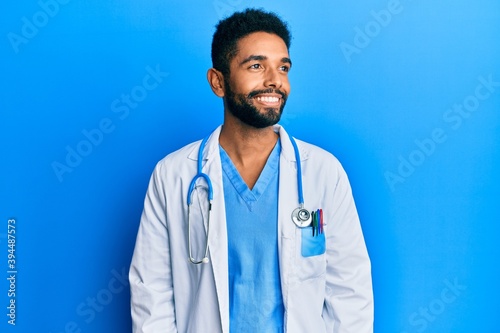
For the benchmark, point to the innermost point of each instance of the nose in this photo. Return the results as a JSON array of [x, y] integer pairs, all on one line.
[[273, 78]]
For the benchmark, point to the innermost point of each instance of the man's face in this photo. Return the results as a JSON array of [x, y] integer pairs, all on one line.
[[257, 87]]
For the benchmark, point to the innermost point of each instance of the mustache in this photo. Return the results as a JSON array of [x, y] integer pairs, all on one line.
[[267, 91]]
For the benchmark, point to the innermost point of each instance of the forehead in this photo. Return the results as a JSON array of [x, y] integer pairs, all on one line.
[[261, 43]]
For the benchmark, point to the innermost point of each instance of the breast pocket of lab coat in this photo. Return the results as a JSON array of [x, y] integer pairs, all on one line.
[[198, 219], [310, 254], [312, 244]]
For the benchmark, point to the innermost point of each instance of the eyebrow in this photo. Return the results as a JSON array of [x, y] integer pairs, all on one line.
[[261, 57]]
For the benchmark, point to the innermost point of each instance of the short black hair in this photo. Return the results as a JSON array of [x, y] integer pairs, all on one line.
[[241, 24]]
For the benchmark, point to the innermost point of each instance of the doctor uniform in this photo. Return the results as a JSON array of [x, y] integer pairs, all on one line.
[[325, 280]]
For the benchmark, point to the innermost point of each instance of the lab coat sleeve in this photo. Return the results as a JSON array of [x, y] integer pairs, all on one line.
[[152, 300], [349, 296]]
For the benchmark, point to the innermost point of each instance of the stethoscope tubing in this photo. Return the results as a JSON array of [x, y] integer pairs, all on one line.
[[200, 174]]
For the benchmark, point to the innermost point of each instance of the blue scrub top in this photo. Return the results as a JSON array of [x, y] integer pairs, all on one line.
[[255, 299]]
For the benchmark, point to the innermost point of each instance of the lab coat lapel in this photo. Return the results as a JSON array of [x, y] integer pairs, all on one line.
[[287, 202], [217, 240]]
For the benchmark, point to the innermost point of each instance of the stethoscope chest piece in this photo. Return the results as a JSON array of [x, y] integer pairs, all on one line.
[[301, 217]]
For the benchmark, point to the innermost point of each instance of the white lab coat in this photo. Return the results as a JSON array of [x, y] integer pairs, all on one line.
[[331, 292]]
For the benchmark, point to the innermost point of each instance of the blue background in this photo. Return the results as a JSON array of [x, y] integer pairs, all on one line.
[[373, 82]]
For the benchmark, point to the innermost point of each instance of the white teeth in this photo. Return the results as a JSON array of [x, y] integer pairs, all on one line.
[[268, 99]]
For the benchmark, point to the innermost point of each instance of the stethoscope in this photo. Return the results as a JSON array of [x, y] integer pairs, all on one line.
[[300, 216]]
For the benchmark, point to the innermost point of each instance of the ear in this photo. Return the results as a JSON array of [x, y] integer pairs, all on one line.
[[216, 81]]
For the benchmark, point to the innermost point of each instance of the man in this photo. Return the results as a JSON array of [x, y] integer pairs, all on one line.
[[266, 266]]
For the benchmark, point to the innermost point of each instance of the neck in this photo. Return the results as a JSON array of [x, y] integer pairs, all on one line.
[[248, 147], [245, 144]]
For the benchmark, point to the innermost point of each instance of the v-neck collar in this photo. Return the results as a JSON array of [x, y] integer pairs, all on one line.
[[269, 171]]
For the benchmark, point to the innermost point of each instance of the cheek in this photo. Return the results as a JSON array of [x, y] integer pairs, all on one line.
[[285, 87], [243, 86], [285, 83]]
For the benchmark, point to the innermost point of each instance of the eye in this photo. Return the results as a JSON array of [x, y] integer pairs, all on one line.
[[285, 68], [255, 66]]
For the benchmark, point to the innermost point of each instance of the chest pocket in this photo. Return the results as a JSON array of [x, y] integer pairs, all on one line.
[[310, 257], [312, 245]]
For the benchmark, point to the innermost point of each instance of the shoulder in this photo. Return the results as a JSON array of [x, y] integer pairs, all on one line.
[[320, 164], [306, 149], [181, 153], [178, 159], [309, 151]]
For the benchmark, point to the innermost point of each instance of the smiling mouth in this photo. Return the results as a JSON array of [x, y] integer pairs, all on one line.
[[268, 99]]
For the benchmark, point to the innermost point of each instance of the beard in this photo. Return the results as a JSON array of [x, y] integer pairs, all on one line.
[[240, 106]]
